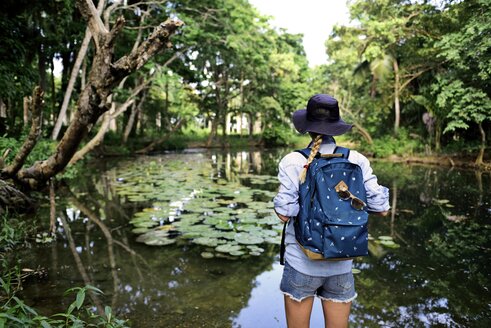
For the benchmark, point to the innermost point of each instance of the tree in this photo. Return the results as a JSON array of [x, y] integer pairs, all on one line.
[[462, 89], [105, 74]]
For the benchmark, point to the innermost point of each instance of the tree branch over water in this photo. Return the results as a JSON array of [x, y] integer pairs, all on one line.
[[103, 77]]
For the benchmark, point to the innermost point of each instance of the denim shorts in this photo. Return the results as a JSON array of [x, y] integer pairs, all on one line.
[[298, 286]]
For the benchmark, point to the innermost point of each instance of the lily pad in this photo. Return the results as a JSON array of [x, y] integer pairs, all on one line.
[[237, 253], [156, 238], [389, 243], [207, 255], [248, 239], [227, 248], [206, 241]]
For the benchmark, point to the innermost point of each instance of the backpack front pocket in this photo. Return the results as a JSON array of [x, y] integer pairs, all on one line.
[[345, 238]]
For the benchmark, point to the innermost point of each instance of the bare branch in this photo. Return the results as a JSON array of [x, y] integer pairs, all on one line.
[[151, 46], [91, 15], [107, 118], [413, 76], [93, 100], [34, 133]]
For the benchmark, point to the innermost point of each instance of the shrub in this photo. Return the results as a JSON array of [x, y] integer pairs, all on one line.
[[276, 135], [402, 145]]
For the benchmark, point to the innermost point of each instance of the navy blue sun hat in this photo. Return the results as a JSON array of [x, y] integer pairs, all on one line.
[[321, 116]]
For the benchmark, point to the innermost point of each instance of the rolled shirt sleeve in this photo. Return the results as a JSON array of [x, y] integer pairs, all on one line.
[[377, 195]]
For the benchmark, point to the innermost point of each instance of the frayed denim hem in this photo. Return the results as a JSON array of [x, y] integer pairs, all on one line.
[[338, 301], [294, 298]]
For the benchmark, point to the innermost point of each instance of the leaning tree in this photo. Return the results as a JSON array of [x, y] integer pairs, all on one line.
[[105, 74]]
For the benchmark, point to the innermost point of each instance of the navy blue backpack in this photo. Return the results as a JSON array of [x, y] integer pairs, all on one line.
[[332, 221]]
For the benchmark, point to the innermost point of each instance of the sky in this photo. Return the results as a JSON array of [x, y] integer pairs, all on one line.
[[313, 18]]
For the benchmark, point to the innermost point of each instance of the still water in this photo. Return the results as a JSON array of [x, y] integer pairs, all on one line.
[[171, 240]]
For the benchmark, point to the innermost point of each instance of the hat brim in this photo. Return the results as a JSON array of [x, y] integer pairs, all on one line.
[[303, 125]]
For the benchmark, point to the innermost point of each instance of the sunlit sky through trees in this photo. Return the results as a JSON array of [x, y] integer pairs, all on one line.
[[313, 18]]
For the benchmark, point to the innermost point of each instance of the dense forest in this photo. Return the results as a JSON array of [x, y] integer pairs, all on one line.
[[413, 77]]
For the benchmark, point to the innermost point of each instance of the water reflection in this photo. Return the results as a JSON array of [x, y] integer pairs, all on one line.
[[439, 275]]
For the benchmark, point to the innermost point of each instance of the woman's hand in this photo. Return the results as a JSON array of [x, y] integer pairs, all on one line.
[[282, 217]]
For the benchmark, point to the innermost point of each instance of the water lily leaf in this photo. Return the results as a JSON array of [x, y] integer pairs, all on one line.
[[248, 228], [265, 233], [257, 205], [207, 255], [273, 240], [225, 226], [389, 243], [254, 248], [269, 220], [247, 217], [227, 248], [140, 230], [243, 238], [156, 238], [206, 241]]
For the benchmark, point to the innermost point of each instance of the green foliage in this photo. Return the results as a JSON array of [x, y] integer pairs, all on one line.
[[228, 60], [42, 148], [276, 135], [464, 105], [12, 232], [15, 313], [402, 145]]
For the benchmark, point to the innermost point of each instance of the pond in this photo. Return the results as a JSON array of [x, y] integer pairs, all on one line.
[[190, 240]]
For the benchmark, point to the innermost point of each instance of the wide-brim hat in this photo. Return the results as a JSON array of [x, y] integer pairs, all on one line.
[[321, 116]]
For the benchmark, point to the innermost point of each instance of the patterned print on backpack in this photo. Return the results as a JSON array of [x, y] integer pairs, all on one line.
[[332, 221]]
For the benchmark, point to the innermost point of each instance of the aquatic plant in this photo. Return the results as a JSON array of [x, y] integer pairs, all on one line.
[[192, 201]]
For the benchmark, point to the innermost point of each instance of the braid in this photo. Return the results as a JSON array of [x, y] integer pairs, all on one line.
[[313, 152]]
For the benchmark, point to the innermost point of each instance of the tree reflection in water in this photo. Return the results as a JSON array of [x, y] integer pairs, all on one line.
[[438, 275]]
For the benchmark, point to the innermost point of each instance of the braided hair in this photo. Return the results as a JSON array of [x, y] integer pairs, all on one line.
[[315, 148]]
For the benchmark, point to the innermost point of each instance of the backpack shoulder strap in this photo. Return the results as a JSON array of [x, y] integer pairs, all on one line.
[[343, 151], [305, 152]]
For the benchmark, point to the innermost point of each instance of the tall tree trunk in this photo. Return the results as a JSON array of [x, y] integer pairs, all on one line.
[[438, 135], [3, 117], [25, 112], [53, 91], [129, 125], [251, 125], [214, 128], [397, 108], [480, 156], [42, 67], [73, 76], [83, 74]]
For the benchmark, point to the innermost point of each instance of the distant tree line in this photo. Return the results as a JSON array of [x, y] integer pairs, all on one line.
[[400, 68]]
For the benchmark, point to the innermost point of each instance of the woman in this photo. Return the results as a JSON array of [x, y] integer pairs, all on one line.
[[331, 281]]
